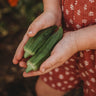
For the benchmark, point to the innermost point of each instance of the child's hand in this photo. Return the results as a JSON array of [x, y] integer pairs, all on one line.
[[62, 52], [46, 19], [71, 43]]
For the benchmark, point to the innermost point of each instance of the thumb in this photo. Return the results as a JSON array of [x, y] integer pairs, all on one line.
[[50, 62], [38, 24]]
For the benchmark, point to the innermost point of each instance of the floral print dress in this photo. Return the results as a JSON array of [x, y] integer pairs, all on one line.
[[82, 65]]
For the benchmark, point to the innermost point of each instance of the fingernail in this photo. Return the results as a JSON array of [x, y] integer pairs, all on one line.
[[43, 70], [30, 32]]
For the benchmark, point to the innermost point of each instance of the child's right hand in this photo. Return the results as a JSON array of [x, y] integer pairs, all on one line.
[[46, 19]]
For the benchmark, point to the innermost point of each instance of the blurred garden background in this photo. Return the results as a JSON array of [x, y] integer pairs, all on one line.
[[15, 17]]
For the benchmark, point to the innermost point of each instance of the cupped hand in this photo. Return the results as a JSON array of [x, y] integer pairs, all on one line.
[[46, 19], [61, 52]]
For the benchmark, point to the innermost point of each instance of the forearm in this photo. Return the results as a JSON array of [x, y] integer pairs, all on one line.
[[86, 38], [53, 5]]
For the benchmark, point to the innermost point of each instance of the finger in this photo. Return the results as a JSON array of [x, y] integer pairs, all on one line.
[[39, 23], [53, 67], [20, 50], [19, 54], [22, 64], [15, 61], [51, 61], [37, 73], [32, 73]]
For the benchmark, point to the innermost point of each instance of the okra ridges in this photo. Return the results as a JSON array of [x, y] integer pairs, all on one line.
[[44, 51]]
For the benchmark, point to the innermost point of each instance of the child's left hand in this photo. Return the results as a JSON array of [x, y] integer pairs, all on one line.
[[62, 51]]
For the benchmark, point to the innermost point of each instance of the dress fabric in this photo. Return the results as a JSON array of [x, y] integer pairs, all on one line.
[[82, 65]]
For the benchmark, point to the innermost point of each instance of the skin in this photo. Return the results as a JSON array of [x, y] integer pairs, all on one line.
[[71, 43], [47, 90], [51, 15]]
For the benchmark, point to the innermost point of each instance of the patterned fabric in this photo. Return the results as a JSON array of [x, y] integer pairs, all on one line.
[[81, 66]]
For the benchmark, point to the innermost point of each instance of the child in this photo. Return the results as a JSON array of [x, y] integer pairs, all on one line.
[[71, 60]]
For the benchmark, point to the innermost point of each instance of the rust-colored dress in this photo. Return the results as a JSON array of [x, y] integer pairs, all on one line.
[[82, 65]]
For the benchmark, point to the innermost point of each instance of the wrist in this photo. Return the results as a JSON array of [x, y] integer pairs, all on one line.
[[55, 12], [52, 5], [70, 39], [86, 38]]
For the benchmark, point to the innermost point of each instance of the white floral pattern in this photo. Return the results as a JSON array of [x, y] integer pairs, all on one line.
[[91, 1], [69, 75]]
